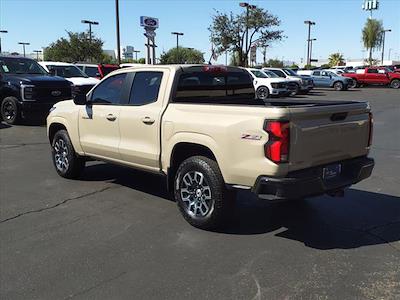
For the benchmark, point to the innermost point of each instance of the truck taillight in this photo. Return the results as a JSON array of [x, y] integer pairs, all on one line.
[[371, 127], [277, 147]]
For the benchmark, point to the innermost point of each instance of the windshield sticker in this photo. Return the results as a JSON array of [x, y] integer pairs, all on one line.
[[5, 68]]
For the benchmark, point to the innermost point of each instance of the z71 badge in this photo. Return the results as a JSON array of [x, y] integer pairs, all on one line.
[[253, 137]]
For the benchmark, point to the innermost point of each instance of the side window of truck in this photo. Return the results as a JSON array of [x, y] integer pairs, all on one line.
[[145, 88], [372, 71], [109, 90]]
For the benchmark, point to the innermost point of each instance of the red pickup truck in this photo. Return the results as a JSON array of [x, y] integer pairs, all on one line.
[[377, 75]]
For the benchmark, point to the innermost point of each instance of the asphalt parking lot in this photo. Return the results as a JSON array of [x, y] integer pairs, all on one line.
[[115, 234]]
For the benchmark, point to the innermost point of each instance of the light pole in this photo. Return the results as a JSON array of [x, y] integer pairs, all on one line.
[[136, 52], [23, 45], [177, 43], [177, 38], [383, 41], [37, 54], [248, 7], [90, 31], [2, 31], [311, 41], [309, 23]]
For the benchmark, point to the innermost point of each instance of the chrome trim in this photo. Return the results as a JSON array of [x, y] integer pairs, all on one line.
[[23, 86]]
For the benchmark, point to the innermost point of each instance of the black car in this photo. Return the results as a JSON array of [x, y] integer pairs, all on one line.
[[27, 91]]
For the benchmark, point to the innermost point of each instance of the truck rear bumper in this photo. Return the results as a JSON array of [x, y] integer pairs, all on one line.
[[310, 182]]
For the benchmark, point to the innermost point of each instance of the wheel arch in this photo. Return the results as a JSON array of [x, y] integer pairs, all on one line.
[[182, 151], [58, 123]]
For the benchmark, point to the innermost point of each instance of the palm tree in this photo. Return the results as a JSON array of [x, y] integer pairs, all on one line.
[[372, 36], [336, 59]]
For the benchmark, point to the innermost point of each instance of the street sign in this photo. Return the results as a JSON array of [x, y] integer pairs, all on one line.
[[149, 22], [313, 60]]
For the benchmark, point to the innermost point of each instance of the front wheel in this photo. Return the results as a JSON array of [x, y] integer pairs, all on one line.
[[10, 112], [262, 93], [66, 161], [338, 86], [353, 84], [201, 194], [395, 84]]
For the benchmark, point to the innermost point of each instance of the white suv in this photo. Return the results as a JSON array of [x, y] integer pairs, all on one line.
[[305, 83], [267, 86], [81, 82]]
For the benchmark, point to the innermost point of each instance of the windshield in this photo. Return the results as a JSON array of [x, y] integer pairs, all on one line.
[[259, 74], [15, 65], [67, 71], [290, 72], [270, 74]]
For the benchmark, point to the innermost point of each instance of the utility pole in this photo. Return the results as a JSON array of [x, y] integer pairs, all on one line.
[[90, 33], [248, 7], [383, 41], [37, 54], [2, 31], [23, 45], [309, 23], [117, 27]]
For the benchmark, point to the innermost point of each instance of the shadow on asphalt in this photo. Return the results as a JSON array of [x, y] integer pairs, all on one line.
[[359, 219]]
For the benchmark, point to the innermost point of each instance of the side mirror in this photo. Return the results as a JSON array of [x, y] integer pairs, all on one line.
[[80, 99], [52, 72], [98, 74], [330, 76]]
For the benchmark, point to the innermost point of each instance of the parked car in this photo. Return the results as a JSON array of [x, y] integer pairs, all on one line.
[[305, 84], [376, 76], [97, 70], [266, 86], [27, 91], [82, 83], [324, 78], [202, 128]]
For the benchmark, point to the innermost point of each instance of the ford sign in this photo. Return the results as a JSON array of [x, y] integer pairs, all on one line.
[[149, 22], [55, 93]]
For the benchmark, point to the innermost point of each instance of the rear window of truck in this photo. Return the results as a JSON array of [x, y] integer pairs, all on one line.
[[215, 86]]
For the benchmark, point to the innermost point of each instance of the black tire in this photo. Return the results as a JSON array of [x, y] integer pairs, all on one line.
[[68, 164], [197, 190], [262, 92], [395, 84], [296, 91], [338, 86], [10, 112], [354, 84]]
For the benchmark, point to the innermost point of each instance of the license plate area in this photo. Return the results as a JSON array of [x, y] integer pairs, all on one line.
[[331, 171]]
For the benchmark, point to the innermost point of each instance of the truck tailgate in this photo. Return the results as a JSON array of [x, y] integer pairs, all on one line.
[[324, 134]]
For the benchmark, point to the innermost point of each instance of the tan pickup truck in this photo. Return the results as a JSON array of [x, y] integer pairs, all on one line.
[[204, 130]]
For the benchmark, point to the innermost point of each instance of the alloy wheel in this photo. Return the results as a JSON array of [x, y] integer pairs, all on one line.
[[195, 192], [61, 155], [9, 112]]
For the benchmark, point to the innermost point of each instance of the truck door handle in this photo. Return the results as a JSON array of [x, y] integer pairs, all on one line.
[[111, 117], [148, 120]]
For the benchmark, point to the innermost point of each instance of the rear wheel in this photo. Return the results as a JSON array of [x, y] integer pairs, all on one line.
[[395, 84], [262, 92], [338, 86], [201, 194], [10, 112], [67, 162]]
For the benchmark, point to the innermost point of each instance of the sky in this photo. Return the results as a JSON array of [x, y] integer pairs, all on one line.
[[338, 24]]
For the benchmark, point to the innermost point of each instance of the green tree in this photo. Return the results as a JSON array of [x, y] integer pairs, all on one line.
[[182, 56], [76, 47], [228, 32], [372, 36], [274, 63], [336, 59]]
